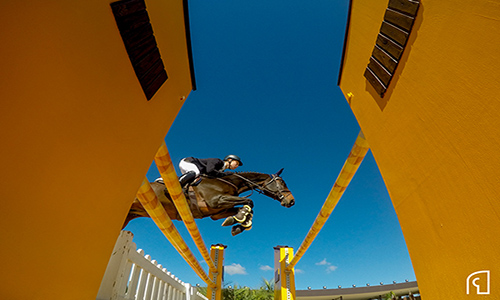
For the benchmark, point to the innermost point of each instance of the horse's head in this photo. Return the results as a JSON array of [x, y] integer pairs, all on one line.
[[278, 190]]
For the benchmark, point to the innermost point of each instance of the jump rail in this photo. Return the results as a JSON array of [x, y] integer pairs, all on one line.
[[350, 167], [150, 202], [167, 172], [216, 256], [131, 275], [284, 260]]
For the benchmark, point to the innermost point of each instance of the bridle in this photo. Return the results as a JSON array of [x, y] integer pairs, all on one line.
[[263, 189]]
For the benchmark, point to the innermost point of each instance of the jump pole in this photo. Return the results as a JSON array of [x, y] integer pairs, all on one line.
[[216, 257], [150, 202], [284, 279], [167, 172], [286, 264]]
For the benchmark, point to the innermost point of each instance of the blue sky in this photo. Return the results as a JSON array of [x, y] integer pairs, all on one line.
[[267, 91]]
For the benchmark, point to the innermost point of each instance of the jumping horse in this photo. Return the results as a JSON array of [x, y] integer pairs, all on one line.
[[219, 197]]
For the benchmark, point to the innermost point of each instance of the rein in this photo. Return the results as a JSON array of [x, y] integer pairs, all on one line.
[[235, 187], [261, 189], [230, 183]]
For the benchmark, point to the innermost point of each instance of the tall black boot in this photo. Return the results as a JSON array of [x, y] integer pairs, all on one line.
[[187, 178]]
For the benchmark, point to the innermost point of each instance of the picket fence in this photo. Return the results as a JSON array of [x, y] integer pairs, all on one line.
[[132, 276]]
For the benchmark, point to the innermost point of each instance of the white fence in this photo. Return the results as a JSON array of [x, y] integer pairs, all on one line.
[[132, 276]]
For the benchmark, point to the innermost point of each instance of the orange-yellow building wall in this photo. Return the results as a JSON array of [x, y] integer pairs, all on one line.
[[436, 137], [78, 137]]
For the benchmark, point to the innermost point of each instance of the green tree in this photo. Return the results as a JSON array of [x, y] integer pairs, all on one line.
[[390, 296], [264, 292], [202, 290]]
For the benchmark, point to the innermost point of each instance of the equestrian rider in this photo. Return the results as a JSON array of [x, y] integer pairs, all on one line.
[[191, 168]]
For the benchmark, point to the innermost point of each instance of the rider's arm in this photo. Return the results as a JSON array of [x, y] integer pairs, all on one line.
[[213, 165]]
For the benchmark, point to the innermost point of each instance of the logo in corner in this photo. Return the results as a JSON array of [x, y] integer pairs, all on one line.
[[481, 281]]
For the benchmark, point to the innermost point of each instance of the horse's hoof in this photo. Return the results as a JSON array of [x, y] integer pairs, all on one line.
[[237, 230], [229, 221]]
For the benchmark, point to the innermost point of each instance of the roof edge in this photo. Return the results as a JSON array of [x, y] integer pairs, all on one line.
[[344, 47], [189, 44], [356, 290]]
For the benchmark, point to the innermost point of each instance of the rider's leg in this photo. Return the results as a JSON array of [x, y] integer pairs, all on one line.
[[187, 178], [189, 172]]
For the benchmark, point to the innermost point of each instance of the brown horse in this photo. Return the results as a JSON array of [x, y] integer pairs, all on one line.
[[219, 198]]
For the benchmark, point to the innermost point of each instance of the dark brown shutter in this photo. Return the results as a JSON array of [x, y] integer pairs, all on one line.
[[137, 34], [391, 41]]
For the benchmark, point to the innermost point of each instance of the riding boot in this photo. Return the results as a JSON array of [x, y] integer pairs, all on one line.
[[187, 178]]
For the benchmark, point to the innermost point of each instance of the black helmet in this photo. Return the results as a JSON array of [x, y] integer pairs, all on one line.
[[234, 157]]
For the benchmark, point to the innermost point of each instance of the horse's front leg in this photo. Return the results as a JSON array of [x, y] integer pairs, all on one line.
[[227, 201], [243, 215], [224, 214]]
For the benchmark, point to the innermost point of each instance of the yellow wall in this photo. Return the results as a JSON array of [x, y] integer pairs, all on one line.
[[436, 136], [77, 137]]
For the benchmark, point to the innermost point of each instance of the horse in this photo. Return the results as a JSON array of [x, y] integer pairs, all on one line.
[[219, 197]]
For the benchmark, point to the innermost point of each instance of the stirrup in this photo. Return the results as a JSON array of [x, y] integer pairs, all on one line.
[[196, 181]]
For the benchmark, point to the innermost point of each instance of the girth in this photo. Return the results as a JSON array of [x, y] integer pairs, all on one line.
[[197, 204]]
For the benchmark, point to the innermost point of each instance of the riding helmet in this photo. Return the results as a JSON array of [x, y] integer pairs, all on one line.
[[234, 157]]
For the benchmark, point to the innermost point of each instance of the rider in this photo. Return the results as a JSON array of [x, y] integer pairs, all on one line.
[[191, 168]]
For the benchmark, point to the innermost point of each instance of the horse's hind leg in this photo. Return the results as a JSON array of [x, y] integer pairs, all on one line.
[[136, 211], [129, 218]]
